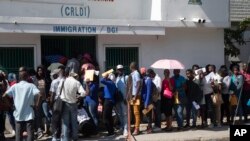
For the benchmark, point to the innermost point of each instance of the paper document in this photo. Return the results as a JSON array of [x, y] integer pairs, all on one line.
[[197, 106], [89, 74], [201, 69], [210, 76]]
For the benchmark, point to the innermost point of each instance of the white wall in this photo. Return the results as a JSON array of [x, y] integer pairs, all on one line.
[[22, 40], [216, 12], [190, 46]]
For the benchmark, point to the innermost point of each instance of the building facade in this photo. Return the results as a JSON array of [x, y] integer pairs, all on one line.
[[114, 31], [240, 10]]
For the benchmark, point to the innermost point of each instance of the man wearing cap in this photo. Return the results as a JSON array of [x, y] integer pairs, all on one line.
[[70, 87], [121, 83]]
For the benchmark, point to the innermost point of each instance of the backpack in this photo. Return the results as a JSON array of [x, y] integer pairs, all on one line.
[[155, 93]]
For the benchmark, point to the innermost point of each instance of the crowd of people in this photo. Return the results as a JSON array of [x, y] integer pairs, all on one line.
[[30, 101]]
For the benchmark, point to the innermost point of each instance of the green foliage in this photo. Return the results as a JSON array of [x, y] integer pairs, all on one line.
[[234, 37]]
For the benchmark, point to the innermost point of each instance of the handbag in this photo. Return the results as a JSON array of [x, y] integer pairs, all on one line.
[[217, 99], [168, 94], [58, 105], [233, 100]]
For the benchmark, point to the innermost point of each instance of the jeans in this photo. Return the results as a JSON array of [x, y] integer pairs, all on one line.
[[20, 127], [191, 111], [179, 114], [38, 119], [69, 122], [122, 114], [11, 118], [107, 114], [92, 109], [210, 108], [46, 112], [157, 113]]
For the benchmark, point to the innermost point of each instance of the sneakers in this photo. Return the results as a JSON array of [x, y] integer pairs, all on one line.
[[12, 134], [156, 129], [125, 133], [136, 131]]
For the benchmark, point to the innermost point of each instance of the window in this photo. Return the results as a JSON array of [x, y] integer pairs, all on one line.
[[121, 55]]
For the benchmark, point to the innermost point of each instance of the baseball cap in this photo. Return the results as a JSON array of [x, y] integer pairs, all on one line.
[[119, 67]]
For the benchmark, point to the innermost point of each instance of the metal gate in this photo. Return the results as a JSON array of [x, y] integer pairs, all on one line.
[[11, 58], [67, 46], [121, 55]]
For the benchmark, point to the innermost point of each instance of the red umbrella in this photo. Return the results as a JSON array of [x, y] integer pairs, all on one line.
[[168, 64]]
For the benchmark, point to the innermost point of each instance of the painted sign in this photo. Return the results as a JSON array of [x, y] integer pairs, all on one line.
[[75, 11], [80, 29]]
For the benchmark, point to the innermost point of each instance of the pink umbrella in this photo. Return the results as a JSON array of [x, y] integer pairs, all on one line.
[[168, 64]]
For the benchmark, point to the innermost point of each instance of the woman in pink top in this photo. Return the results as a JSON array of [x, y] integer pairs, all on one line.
[[167, 98]]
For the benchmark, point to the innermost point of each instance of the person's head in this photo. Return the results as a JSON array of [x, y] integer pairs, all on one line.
[[211, 68], [133, 66], [189, 74], [244, 67], [87, 58], [119, 69], [235, 70], [66, 71], [23, 74], [150, 73], [176, 72], [166, 73], [62, 71], [223, 72], [11, 77], [40, 72], [143, 71], [195, 67]]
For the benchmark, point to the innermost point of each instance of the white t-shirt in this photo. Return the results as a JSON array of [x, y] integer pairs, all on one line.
[[54, 85], [157, 81], [70, 90], [226, 84]]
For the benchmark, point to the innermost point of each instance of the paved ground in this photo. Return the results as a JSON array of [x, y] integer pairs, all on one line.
[[198, 134], [206, 134]]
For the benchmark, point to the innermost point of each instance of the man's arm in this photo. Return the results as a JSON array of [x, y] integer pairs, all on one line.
[[149, 92]]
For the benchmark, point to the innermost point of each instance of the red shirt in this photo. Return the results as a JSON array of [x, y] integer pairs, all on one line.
[[165, 84], [246, 85]]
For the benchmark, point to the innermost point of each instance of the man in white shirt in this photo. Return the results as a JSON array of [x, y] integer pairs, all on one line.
[[69, 94]]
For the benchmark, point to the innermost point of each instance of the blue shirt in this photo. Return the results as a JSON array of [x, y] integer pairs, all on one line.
[[23, 94], [109, 89], [93, 93], [135, 79], [147, 91], [179, 82]]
